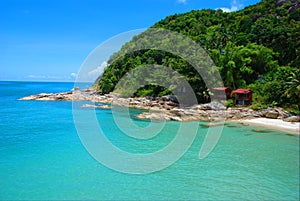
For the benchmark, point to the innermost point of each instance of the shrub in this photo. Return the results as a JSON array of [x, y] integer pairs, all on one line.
[[229, 103]]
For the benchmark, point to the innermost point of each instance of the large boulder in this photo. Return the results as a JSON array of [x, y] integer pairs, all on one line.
[[282, 113], [272, 114], [217, 106], [293, 119]]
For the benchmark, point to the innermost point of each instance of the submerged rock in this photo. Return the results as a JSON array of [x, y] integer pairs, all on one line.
[[104, 106], [96, 106], [89, 106]]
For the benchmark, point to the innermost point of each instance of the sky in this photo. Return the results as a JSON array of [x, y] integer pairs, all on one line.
[[49, 40]]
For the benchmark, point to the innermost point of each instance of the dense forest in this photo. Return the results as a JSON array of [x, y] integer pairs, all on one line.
[[257, 48]]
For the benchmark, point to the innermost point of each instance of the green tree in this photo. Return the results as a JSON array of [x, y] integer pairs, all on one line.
[[293, 87]]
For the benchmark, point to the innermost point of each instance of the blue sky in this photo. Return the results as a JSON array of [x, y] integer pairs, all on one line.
[[48, 40]]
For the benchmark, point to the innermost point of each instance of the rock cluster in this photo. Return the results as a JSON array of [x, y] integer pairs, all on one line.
[[166, 108]]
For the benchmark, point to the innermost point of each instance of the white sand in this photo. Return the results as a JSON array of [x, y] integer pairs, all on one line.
[[274, 124]]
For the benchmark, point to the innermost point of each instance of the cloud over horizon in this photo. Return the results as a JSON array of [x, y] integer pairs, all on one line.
[[70, 77], [94, 74]]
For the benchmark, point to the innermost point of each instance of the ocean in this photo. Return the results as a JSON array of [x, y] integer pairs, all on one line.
[[43, 158]]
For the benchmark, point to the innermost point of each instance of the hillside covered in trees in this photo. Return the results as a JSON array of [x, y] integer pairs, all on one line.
[[257, 48]]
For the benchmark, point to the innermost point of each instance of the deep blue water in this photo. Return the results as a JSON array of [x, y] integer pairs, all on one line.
[[42, 158]]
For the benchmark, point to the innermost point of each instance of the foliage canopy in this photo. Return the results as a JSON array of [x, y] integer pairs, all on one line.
[[257, 47]]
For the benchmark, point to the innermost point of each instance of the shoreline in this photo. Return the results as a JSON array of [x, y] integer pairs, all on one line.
[[163, 108], [273, 124]]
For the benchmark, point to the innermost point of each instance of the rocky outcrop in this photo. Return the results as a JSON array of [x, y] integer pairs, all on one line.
[[164, 108], [50, 96]]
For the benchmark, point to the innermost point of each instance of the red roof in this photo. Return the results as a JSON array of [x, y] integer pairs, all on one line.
[[242, 91]]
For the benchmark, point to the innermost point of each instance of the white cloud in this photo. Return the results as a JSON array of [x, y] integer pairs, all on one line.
[[235, 6], [73, 75], [98, 71], [37, 76], [181, 1], [90, 74]]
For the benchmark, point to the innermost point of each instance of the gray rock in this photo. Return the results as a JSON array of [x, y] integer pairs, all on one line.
[[283, 114], [272, 115], [177, 111], [293, 119], [134, 103], [212, 106], [175, 118], [165, 98], [217, 106]]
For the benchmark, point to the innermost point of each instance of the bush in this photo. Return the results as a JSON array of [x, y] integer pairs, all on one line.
[[144, 92], [258, 106], [229, 103]]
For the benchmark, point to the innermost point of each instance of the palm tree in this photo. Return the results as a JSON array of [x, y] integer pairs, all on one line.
[[294, 87]]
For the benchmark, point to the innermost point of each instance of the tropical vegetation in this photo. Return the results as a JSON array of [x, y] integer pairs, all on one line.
[[257, 48]]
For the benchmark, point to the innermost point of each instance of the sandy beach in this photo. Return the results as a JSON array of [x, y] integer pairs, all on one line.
[[274, 124]]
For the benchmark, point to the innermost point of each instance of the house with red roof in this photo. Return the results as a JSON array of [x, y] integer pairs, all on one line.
[[242, 96]]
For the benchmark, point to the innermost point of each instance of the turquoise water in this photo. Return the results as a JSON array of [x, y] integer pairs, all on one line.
[[42, 158]]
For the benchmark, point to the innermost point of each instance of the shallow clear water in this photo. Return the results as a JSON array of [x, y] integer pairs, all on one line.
[[42, 158]]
